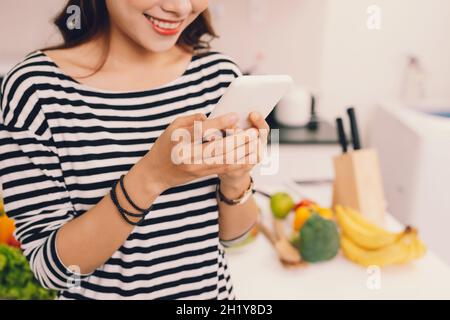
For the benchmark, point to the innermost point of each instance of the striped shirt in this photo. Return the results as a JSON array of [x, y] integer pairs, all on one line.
[[62, 146]]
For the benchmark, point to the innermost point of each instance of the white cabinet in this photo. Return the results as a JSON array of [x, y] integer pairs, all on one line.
[[414, 152]]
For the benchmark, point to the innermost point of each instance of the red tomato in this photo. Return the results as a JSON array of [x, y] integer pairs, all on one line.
[[13, 242], [304, 203]]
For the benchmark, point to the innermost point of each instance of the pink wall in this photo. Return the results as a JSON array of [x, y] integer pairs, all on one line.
[[25, 25], [288, 32]]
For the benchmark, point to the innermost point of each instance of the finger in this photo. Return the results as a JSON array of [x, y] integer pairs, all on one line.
[[218, 151], [197, 132], [245, 164], [229, 144], [236, 156], [223, 122], [189, 120], [254, 154], [243, 152], [251, 157], [260, 123]]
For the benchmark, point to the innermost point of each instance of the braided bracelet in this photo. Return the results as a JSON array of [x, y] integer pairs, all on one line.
[[131, 202], [131, 214], [124, 213]]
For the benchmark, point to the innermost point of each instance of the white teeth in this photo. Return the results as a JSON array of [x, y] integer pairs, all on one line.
[[163, 25]]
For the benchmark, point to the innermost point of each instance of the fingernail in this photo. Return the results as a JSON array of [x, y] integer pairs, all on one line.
[[256, 116]]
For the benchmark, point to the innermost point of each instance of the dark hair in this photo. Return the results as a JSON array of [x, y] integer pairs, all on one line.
[[95, 22]]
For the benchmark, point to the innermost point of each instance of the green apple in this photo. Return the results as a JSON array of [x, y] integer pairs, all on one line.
[[281, 204]]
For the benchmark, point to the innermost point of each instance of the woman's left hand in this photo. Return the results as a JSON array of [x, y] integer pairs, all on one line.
[[237, 176]]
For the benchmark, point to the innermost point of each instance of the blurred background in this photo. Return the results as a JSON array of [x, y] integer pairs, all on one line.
[[324, 44], [390, 59]]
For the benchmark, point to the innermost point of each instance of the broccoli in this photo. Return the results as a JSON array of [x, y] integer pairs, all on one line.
[[319, 239]]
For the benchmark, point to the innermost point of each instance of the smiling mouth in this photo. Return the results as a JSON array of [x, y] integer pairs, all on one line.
[[164, 27]]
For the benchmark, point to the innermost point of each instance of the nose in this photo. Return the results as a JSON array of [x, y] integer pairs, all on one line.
[[180, 8]]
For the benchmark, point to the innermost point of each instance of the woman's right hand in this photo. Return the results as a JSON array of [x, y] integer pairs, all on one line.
[[164, 172], [146, 180]]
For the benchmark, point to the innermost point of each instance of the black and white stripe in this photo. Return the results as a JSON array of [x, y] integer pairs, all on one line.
[[63, 144]]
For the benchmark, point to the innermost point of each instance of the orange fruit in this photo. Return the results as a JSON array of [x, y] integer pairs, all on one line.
[[2, 207], [6, 228], [302, 214], [326, 213]]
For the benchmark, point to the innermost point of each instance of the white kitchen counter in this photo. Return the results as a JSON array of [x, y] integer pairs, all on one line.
[[257, 274]]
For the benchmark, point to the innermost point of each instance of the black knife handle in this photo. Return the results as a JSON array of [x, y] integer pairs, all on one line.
[[354, 128], [341, 134]]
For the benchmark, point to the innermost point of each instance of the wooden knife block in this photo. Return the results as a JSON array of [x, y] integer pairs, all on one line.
[[358, 184]]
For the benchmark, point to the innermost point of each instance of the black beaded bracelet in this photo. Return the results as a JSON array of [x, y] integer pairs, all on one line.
[[124, 213], [131, 202]]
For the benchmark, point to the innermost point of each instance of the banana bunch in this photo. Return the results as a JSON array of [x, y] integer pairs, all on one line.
[[367, 244]]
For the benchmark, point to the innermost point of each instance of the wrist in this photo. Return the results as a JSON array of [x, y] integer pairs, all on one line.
[[235, 187], [146, 179]]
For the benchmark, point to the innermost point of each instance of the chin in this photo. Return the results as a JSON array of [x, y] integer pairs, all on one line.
[[159, 46], [156, 43]]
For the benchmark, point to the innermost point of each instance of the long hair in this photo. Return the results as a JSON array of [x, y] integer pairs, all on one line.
[[95, 23]]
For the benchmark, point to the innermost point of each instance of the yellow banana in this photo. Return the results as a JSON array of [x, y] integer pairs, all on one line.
[[396, 253], [410, 243], [361, 220], [363, 233], [420, 248]]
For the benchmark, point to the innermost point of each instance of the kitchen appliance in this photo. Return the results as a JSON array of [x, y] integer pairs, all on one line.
[[297, 120], [294, 109]]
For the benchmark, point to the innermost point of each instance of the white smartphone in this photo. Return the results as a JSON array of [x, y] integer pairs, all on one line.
[[247, 94]]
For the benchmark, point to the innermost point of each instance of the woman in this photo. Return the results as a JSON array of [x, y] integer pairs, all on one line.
[[104, 105]]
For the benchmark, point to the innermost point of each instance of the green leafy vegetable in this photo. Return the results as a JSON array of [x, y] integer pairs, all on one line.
[[319, 239], [17, 280]]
